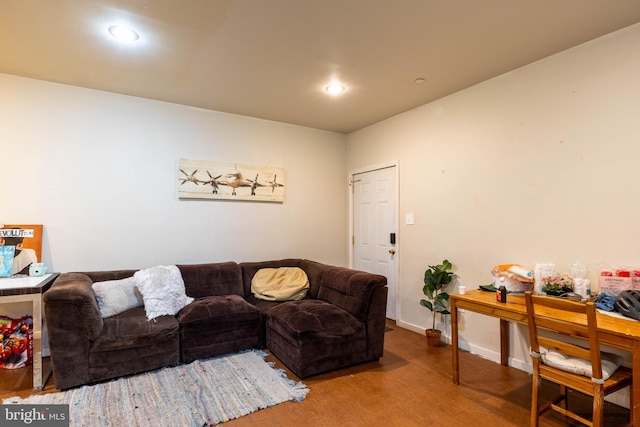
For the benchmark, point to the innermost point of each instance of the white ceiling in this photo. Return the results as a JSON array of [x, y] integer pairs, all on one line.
[[272, 59]]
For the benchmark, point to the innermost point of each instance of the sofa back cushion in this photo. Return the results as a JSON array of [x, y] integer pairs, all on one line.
[[103, 276], [315, 271], [215, 279], [350, 289]]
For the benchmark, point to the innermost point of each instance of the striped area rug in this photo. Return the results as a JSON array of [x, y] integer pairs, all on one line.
[[202, 393]]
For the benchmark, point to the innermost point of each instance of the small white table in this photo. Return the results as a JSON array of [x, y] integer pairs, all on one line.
[[30, 289]]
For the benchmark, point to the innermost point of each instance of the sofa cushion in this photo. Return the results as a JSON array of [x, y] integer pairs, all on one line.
[[314, 336], [162, 289], [350, 289], [202, 280], [217, 325], [117, 296], [264, 305], [216, 310], [610, 363], [309, 319], [132, 329], [280, 284], [104, 275]]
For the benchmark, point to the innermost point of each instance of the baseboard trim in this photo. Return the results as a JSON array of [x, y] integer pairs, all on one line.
[[485, 353]]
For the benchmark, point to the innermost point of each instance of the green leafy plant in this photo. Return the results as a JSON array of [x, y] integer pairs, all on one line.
[[436, 278]]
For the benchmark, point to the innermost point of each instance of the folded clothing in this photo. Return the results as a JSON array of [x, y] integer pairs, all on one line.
[[605, 302]]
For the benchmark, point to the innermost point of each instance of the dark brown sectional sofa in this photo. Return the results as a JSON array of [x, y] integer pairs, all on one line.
[[339, 323]]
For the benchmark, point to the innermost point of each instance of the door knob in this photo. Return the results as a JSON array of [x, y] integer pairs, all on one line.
[[392, 251]]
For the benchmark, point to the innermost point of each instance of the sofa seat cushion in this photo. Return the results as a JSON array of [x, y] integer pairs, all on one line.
[[314, 336], [221, 311], [132, 329], [261, 304], [216, 325]]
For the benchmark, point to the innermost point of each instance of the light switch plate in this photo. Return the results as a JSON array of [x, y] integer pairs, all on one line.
[[409, 219]]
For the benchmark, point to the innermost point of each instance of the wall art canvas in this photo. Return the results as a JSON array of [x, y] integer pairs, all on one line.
[[201, 179], [27, 242]]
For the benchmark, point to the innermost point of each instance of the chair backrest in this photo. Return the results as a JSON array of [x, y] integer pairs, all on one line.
[[570, 318]]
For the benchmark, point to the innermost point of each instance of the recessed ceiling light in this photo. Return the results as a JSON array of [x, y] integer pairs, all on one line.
[[335, 89], [420, 80], [123, 33]]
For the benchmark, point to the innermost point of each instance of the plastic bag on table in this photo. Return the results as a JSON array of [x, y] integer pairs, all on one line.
[[16, 342], [514, 277]]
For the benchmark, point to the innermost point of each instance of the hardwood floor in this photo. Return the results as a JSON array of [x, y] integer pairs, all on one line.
[[410, 386]]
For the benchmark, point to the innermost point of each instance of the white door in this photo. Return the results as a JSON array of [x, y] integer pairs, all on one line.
[[374, 227]]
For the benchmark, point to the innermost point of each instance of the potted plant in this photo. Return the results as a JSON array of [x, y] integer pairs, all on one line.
[[436, 277]]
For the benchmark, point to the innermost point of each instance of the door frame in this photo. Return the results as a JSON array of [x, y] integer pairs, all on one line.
[[372, 168]]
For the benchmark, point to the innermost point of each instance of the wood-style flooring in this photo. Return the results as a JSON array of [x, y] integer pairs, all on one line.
[[410, 386]]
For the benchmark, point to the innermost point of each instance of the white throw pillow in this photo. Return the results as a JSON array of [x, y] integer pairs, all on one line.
[[116, 296], [162, 289], [280, 284], [610, 362]]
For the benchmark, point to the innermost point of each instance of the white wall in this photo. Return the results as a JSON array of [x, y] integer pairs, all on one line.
[[99, 170], [539, 164]]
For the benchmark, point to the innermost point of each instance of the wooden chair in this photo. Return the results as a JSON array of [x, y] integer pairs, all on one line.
[[577, 320]]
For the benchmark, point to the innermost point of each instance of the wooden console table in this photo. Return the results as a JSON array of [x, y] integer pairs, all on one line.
[[30, 289], [615, 332]]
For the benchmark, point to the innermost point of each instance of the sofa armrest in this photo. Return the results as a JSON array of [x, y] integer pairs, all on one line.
[[73, 321], [73, 291], [351, 290], [376, 322]]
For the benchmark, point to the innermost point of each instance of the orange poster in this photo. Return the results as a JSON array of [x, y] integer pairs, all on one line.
[[27, 240]]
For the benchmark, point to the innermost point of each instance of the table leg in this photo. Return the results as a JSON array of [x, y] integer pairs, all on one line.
[[504, 342], [635, 392], [454, 342], [37, 343]]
